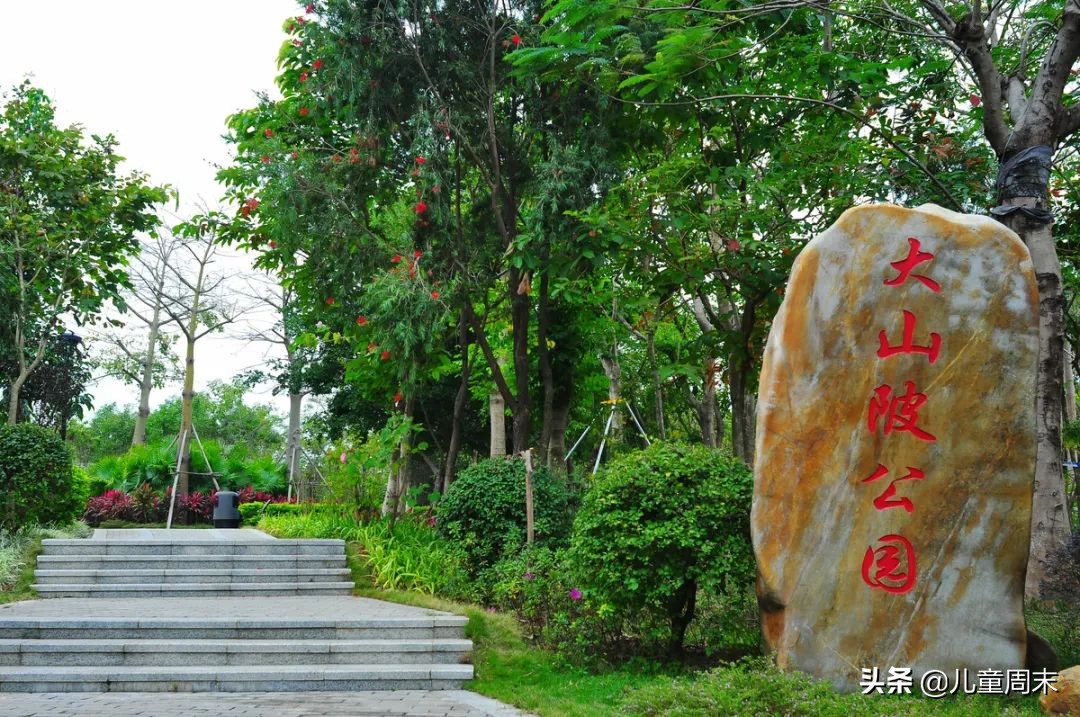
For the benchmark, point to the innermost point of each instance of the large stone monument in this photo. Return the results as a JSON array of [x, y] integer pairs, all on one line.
[[896, 448]]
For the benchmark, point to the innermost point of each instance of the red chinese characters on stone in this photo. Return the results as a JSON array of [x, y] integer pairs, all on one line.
[[908, 345], [907, 265], [888, 498], [900, 412], [890, 567]]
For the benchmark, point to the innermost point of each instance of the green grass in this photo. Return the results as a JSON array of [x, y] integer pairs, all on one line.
[[18, 557]]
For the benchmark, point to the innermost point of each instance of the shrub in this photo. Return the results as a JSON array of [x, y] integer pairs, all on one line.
[[658, 525], [264, 505], [110, 505], [37, 483], [484, 510]]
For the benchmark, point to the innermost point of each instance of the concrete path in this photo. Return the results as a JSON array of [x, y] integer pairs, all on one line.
[[446, 703]]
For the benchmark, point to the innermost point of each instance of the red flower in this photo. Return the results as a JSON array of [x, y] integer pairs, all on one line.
[[417, 254], [420, 160], [420, 207], [385, 355], [266, 159], [310, 8], [252, 203], [397, 397], [303, 77], [317, 65], [395, 259], [300, 20], [297, 42], [268, 132], [295, 155], [434, 295], [435, 189], [304, 111], [245, 210], [361, 320], [336, 158], [273, 244], [975, 100], [733, 244], [371, 347], [516, 39], [330, 301]]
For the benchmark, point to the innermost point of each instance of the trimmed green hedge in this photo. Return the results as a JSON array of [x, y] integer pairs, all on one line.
[[250, 513], [37, 480]]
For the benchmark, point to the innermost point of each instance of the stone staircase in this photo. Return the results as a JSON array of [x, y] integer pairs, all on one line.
[[191, 567], [240, 614]]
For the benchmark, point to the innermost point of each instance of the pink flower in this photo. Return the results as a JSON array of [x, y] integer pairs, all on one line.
[[310, 8], [575, 594], [344, 457], [266, 159]]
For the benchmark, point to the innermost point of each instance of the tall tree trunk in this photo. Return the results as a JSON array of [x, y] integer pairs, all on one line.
[[613, 371], [146, 382], [706, 407], [292, 446], [14, 388], [743, 411], [187, 404], [1049, 519], [658, 388], [547, 379], [519, 315], [460, 402], [398, 484]]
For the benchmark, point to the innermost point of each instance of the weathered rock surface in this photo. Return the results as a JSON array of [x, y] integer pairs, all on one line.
[[1066, 701], [896, 448]]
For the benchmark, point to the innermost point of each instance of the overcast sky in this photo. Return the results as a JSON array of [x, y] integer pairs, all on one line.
[[161, 76]]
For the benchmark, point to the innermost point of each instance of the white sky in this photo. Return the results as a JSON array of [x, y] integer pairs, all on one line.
[[162, 76]]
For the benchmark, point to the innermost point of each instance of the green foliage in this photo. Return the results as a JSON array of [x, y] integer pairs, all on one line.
[[357, 467], [155, 463], [252, 513], [18, 551], [484, 510], [68, 221], [405, 555], [107, 433], [657, 526], [37, 483], [757, 687]]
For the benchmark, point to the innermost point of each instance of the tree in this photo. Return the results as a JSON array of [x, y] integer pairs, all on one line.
[[149, 367], [196, 302], [68, 222]]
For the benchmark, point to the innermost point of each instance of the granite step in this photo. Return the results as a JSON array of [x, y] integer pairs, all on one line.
[[228, 628], [96, 547], [181, 589], [233, 678], [193, 574], [84, 653], [216, 561]]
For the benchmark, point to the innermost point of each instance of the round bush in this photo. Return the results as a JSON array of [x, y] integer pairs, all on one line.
[[37, 483], [656, 526], [484, 510]]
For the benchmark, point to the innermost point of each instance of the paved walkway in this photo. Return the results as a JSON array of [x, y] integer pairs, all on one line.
[[448, 703]]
